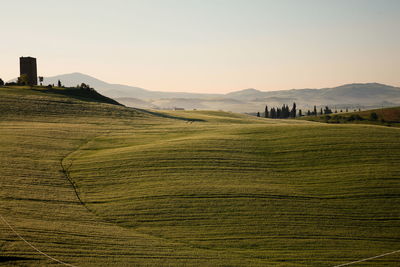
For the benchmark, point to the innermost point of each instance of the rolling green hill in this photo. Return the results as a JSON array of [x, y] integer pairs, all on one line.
[[95, 184]]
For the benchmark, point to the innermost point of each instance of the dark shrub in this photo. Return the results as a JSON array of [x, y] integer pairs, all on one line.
[[337, 119], [11, 84], [358, 117], [327, 118], [355, 117], [373, 116]]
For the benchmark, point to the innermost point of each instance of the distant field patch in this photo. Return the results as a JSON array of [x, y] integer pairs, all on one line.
[[381, 117]]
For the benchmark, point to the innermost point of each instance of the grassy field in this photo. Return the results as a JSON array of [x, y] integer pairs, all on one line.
[[383, 117], [94, 184]]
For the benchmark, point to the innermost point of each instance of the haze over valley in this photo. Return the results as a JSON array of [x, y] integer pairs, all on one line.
[[365, 96]]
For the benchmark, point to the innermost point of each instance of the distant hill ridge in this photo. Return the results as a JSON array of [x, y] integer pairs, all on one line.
[[114, 90], [368, 95]]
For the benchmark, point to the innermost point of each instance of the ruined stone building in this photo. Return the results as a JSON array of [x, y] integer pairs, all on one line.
[[27, 65]]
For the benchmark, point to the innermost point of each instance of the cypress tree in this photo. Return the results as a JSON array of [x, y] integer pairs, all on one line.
[[285, 111], [327, 110], [266, 112], [315, 111], [293, 112]]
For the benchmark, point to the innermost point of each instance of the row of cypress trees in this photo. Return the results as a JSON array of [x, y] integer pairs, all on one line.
[[281, 113], [285, 112]]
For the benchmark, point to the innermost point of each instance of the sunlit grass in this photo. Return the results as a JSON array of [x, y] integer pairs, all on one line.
[[301, 193], [219, 189]]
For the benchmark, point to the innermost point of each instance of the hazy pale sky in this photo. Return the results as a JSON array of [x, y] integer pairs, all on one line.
[[206, 45]]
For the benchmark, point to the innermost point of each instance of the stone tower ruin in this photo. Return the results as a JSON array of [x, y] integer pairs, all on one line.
[[27, 66]]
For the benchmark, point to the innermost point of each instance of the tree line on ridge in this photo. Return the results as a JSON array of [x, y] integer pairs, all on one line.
[[285, 112]]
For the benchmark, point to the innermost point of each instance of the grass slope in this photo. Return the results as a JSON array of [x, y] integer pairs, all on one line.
[[219, 189], [37, 131], [280, 191]]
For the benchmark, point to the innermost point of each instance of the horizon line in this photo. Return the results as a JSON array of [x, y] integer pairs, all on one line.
[[249, 88]]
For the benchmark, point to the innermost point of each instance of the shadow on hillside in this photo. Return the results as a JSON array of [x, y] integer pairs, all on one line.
[[168, 116], [90, 95], [14, 258]]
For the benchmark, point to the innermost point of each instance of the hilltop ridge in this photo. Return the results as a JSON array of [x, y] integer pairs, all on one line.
[[43, 103]]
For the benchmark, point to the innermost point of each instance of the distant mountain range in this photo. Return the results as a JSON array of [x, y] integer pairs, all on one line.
[[367, 95]]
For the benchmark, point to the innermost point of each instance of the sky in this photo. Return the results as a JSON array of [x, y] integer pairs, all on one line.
[[206, 46]]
